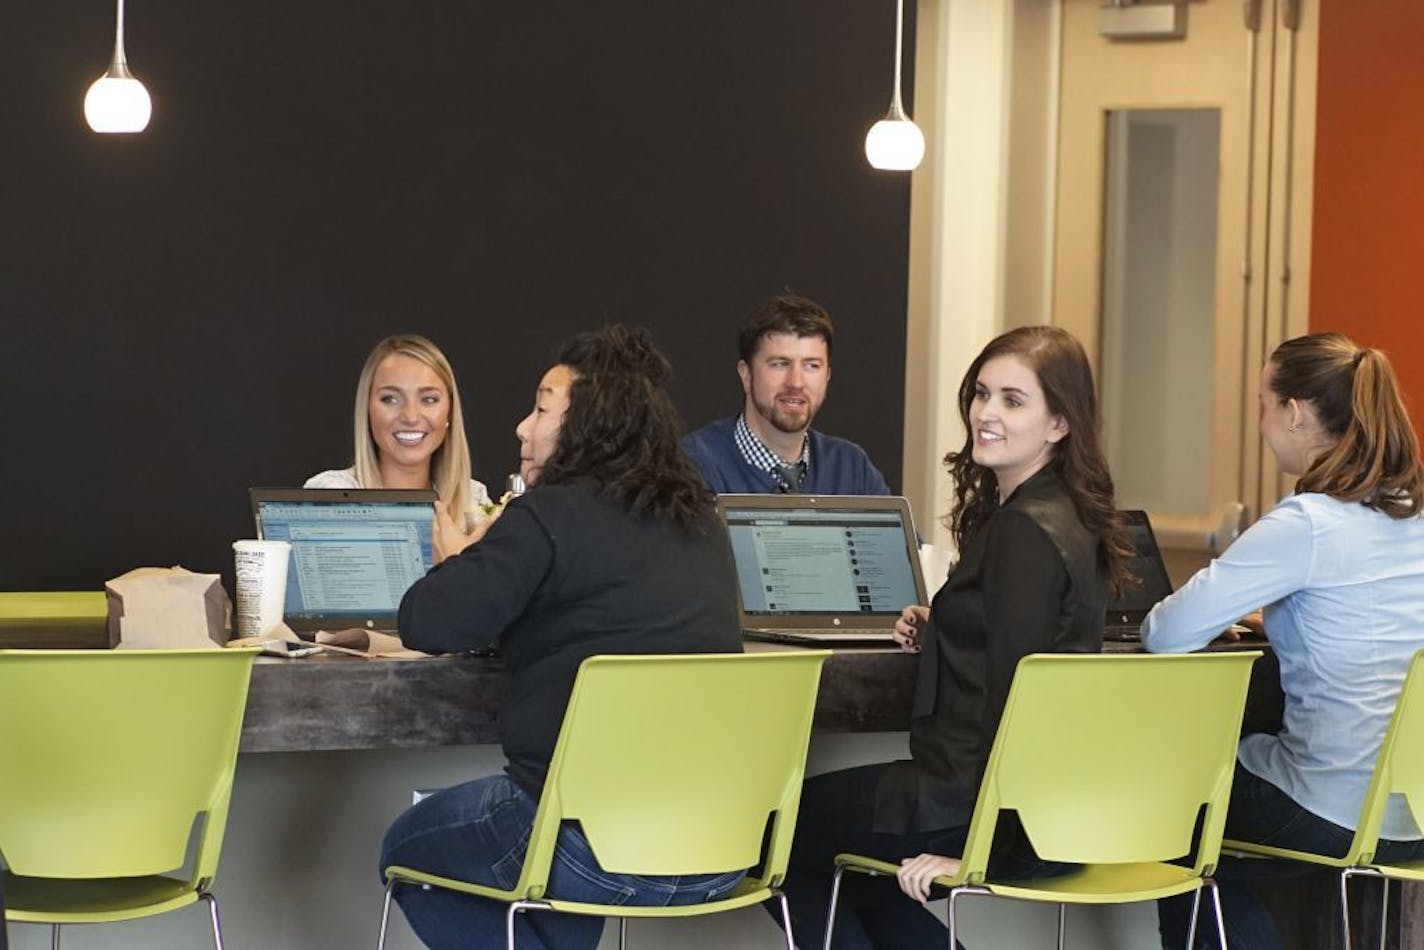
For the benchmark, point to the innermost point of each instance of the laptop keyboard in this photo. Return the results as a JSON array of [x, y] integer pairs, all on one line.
[[822, 636], [1130, 634]]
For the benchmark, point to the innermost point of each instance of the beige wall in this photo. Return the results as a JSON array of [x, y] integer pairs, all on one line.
[[985, 94]]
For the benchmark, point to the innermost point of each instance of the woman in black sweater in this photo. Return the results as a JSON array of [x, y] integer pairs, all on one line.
[[614, 549], [1039, 543]]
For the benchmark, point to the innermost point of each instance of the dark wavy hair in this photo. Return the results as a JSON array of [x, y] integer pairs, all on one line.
[[1375, 456], [621, 430], [1062, 368]]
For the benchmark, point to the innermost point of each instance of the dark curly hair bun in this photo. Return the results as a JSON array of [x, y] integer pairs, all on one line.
[[621, 430], [616, 349]]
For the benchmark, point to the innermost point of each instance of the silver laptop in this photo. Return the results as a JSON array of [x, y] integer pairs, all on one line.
[[1126, 613], [823, 569], [355, 552]]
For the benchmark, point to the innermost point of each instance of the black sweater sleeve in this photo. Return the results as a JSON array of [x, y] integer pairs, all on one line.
[[1024, 582], [468, 600]]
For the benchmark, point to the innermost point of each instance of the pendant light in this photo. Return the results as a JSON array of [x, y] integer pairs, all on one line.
[[895, 143], [117, 102]]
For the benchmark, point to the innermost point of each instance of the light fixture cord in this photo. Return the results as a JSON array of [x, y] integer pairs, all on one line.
[[897, 108], [120, 65]]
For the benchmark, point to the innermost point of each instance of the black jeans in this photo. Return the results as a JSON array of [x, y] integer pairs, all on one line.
[[1261, 812], [837, 814]]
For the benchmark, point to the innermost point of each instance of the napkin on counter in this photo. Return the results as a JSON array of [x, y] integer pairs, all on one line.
[[371, 644]]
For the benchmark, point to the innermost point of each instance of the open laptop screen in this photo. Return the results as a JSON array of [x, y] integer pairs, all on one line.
[[354, 553], [1146, 564], [800, 559]]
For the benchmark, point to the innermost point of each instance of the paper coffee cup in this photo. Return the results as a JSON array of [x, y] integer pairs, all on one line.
[[261, 584]]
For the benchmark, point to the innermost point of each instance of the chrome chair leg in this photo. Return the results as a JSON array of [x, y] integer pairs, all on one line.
[[1192, 921], [515, 909], [1062, 925], [1384, 910], [786, 921], [54, 936], [1216, 905], [212, 903], [386, 913], [830, 911], [1345, 906], [622, 933], [953, 937]]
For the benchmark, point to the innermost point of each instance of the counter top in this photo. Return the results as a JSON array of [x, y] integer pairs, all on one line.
[[332, 702]]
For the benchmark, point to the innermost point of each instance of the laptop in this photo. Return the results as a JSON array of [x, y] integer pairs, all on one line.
[[823, 570], [355, 552], [1126, 613]]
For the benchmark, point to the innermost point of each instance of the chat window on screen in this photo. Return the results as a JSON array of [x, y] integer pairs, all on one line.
[[791, 565]]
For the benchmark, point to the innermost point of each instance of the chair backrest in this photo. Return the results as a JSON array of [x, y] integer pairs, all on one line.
[[1399, 767], [1111, 759], [47, 604], [673, 764], [108, 757]]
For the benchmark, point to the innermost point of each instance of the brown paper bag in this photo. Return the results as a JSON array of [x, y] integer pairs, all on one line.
[[167, 608]]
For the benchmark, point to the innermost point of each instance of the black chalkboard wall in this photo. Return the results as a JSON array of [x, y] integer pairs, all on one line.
[[185, 311]]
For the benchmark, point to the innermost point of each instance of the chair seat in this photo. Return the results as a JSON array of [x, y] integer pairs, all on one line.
[[1105, 884], [745, 894], [1091, 884], [1413, 871], [47, 900]]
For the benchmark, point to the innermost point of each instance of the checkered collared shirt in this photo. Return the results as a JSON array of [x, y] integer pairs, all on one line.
[[758, 456]]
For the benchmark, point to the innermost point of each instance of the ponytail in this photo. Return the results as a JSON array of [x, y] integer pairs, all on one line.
[[1375, 459]]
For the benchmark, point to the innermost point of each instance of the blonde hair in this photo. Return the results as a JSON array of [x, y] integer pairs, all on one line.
[[1375, 458], [450, 463]]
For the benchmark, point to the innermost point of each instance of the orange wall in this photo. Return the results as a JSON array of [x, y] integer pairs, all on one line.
[[1367, 267]]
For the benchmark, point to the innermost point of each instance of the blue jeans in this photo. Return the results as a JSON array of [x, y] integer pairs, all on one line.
[[1261, 812], [837, 814], [478, 832]]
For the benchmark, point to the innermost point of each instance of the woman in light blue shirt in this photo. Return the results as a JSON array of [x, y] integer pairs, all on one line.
[[1339, 569]]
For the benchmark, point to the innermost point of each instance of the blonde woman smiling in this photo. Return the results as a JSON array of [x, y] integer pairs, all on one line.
[[409, 430]]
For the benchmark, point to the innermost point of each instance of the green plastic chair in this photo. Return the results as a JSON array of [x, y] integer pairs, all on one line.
[[54, 619], [1109, 761], [109, 758], [1399, 770], [720, 747]]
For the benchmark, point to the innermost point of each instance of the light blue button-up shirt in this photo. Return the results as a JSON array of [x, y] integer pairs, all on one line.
[[1343, 591]]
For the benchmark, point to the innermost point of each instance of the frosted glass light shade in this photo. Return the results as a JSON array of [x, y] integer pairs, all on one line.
[[117, 104], [895, 145]]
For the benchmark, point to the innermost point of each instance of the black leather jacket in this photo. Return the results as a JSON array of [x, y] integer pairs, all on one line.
[[1029, 582]]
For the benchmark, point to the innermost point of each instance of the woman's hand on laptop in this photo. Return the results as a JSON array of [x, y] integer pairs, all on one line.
[[447, 539], [911, 624]]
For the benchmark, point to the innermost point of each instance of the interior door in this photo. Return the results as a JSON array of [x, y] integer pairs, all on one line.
[[1172, 187]]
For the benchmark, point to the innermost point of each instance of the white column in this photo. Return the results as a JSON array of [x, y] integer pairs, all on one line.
[[959, 227]]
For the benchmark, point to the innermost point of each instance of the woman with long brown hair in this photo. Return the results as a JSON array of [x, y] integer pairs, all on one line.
[[1040, 544], [1339, 568]]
